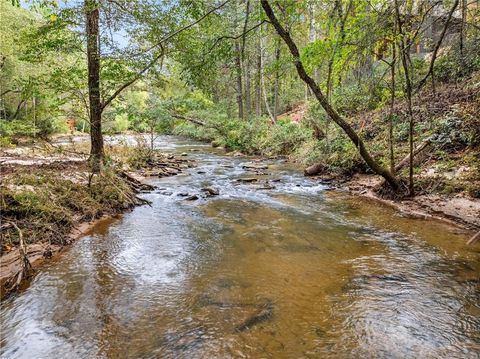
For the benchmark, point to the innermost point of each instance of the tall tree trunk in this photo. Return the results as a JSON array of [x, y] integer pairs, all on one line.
[[262, 82], [258, 82], [93, 59], [245, 63], [312, 34], [332, 113], [392, 105], [248, 98], [462, 29], [238, 65], [276, 88], [404, 54]]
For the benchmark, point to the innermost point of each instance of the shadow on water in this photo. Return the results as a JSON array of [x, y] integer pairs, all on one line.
[[290, 272]]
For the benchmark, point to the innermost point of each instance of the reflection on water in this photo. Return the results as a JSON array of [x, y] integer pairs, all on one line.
[[292, 272]]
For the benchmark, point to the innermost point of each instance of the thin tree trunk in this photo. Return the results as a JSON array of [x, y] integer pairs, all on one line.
[[34, 116], [437, 45], [277, 82], [93, 59], [462, 29], [258, 80], [152, 136], [311, 22], [332, 113], [245, 64], [392, 105], [404, 54], [238, 65], [248, 100], [262, 82], [312, 36]]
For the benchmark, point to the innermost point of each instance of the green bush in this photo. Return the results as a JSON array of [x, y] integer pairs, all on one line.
[[452, 66], [285, 138]]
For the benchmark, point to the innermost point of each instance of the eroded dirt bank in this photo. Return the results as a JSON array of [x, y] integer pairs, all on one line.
[[460, 210]]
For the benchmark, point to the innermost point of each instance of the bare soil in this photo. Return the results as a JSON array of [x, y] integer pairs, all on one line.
[[459, 210]]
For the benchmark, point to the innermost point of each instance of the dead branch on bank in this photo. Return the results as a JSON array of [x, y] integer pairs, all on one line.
[[424, 146], [26, 267]]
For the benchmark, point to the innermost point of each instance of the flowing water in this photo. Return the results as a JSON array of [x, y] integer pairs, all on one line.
[[295, 271]]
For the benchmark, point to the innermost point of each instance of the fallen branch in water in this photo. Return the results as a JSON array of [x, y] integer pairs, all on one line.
[[474, 239], [262, 315], [136, 184]]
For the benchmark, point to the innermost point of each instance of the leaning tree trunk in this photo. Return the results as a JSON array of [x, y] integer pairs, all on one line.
[[332, 113], [93, 58]]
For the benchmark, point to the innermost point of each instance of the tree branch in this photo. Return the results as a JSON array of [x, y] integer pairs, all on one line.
[[186, 27], [8, 91], [437, 47], [189, 119], [236, 37], [156, 58], [134, 79]]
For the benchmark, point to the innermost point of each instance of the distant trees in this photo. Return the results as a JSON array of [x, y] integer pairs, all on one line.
[[31, 77]]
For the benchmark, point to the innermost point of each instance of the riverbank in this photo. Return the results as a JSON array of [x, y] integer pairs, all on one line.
[[49, 199], [458, 210]]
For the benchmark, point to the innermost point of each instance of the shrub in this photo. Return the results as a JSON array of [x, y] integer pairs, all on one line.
[[452, 66]]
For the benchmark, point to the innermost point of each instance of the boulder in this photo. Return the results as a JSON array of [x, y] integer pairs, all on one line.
[[211, 191]]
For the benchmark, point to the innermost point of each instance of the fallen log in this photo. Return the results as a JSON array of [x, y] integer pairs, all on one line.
[[247, 180], [136, 184], [425, 145], [314, 169]]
